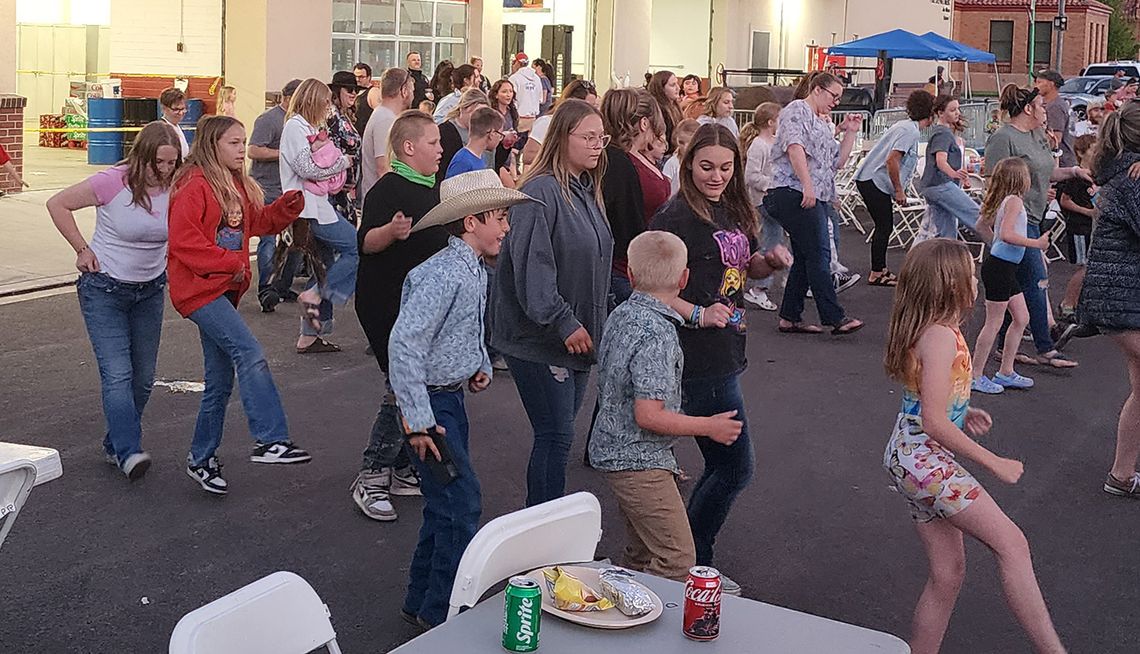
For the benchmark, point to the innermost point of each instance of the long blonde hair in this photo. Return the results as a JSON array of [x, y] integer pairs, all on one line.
[[222, 180], [766, 112], [935, 288], [471, 97], [1010, 177], [714, 99], [226, 94], [311, 101], [552, 158]]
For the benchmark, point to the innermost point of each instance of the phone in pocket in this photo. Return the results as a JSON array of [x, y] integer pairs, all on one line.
[[443, 471]]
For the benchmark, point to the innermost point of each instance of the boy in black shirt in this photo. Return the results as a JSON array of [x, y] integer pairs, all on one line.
[[388, 251], [1075, 196]]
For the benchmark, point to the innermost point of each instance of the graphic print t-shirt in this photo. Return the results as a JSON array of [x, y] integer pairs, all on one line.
[[718, 271]]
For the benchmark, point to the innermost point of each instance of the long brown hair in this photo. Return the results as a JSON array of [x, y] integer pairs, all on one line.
[[670, 110], [1010, 177], [735, 197], [552, 158], [1120, 133], [935, 288], [311, 101], [143, 159], [622, 111], [222, 180]]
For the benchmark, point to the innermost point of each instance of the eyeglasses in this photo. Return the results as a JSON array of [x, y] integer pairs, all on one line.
[[178, 110], [594, 141], [834, 96], [498, 133]]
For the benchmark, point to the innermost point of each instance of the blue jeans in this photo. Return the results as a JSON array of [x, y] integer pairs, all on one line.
[[949, 205], [728, 468], [227, 344], [771, 235], [340, 277], [811, 252], [1031, 274], [451, 516], [620, 290], [124, 322], [552, 397]]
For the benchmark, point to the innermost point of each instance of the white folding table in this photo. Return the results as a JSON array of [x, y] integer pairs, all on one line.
[[21, 468]]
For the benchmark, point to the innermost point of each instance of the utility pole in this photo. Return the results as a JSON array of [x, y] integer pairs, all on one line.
[[1032, 36], [1059, 26]]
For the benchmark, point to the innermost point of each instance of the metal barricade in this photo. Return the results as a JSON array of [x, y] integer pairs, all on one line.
[[744, 116], [883, 120], [978, 116]]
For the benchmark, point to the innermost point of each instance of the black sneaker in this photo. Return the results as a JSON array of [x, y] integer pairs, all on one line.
[[1086, 331], [844, 281], [1127, 488], [269, 300], [283, 452], [209, 476], [289, 296]]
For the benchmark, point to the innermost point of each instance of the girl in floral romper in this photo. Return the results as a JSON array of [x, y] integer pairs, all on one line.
[[927, 354]]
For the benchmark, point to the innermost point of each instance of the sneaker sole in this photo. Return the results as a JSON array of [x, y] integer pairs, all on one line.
[[209, 489], [378, 517], [1118, 492], [273, 459], [997, 392], [139, 470]]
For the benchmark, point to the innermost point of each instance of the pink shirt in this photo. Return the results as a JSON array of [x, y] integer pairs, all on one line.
[[129, 241]]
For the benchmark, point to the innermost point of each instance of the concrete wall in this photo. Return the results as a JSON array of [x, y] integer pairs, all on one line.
[[485, 35], [7, 46], [145, 34], [246, 61]]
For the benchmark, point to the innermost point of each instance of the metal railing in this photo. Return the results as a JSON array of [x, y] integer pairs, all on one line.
[[744, 116]]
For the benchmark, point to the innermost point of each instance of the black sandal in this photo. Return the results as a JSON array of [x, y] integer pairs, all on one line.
[[885, 278], [838, 330], [319, 346]]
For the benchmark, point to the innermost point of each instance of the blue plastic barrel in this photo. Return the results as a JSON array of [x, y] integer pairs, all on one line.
[[104, 148], [194, 111]]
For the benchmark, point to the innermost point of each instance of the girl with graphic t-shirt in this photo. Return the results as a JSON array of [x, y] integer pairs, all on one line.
[[121, 281], [715, 218]]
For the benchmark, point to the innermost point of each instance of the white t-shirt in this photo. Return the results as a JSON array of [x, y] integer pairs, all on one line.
[[528, 91], [726, 121], [672, 170], [540, 128], [445, 106], [181, 139], [129, 241], [374, 144]]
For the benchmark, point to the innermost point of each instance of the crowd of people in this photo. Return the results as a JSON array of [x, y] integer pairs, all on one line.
[[507, 228]]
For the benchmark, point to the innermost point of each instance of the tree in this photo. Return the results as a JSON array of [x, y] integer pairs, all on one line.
[[1121, 39]]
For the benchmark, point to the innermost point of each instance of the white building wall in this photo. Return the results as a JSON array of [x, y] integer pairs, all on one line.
[[145, 35], [679, 38]]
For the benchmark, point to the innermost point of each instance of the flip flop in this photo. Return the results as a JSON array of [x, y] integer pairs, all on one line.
[[1055, 359], [886, 279], [798, 328], [319, 346], [838, 330]]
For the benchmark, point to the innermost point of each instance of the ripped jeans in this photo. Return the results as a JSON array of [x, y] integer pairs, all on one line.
[[552, 397]]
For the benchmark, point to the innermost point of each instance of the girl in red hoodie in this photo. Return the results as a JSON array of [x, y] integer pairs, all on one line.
[[214, 208]]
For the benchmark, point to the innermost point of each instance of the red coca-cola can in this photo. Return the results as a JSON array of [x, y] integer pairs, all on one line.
[[702, 603]]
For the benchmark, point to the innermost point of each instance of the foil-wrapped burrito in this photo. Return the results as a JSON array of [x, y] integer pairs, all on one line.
[[568, 593], [630, 597]]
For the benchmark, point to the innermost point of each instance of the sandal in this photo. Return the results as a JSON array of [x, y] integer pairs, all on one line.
[[319, 346], [1055, 359], [885, 278], [844, 327], [799, 328]]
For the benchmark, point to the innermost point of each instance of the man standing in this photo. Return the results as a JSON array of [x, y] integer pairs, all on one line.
[[462, 78], [1057, 116], [484, 84], [173, 103], [264, 142], [416, 70], [397, 87], [368, 97], [528, 92]]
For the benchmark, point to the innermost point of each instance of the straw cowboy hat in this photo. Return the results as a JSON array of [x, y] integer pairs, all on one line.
[[470, 194]]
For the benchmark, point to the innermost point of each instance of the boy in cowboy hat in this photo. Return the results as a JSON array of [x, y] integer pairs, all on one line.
[[436, 348]]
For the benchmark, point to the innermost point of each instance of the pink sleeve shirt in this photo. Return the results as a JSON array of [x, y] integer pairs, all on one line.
[[129, 241]]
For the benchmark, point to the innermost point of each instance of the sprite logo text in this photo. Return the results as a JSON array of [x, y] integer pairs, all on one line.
[[526, 620]]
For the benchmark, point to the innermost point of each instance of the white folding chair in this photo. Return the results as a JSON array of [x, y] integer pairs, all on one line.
[[277, 614], [565, 530], [16, 481]]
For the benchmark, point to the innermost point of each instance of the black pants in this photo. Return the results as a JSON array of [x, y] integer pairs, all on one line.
[[882, 212]]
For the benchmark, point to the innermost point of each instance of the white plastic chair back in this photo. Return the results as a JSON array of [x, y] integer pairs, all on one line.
[[565, 530], [277, 614], [16, 481]]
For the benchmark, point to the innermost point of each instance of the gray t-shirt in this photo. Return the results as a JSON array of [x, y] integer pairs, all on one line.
[[267, 134], [941, 140], [1033, 147], [1057, 120], [374, 144]]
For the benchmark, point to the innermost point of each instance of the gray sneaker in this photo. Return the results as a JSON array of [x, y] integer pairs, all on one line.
[[405, 482], [728, 586], [370, 492], [136, 465], [1127, 488]]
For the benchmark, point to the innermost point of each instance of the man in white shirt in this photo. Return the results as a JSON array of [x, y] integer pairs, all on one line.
[[528, 92], [397, 88], [173, 103]]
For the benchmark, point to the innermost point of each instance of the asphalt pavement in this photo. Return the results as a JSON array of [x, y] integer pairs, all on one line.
[[97, 564]]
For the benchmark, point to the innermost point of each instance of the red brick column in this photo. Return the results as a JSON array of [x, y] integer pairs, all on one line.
[[12, 136]]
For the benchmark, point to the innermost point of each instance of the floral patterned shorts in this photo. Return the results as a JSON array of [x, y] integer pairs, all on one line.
[[925, 474]]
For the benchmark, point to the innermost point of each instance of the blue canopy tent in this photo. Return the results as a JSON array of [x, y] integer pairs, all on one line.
[[969, 55]]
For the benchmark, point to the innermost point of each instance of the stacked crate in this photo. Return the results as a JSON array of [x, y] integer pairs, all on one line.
[[52, 139]]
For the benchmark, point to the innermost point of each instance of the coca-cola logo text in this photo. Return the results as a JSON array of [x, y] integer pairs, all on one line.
[[702, 595]]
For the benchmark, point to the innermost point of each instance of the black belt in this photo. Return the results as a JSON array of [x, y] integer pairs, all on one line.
[[451, 388]]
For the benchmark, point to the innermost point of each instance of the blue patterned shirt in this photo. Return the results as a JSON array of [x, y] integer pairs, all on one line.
[[639, 358], [798, 124], [438, 339]]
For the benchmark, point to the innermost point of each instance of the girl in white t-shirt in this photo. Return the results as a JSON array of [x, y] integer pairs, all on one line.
[[682, 135], [122, 280]]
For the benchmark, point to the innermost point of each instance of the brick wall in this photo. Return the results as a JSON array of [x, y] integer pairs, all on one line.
[[12, 136], [146, 86]]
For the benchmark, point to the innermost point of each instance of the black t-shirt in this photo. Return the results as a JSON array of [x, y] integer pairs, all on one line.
[[1078, 191], [452, 142], [363, 112], [719, 256], [380, 277]]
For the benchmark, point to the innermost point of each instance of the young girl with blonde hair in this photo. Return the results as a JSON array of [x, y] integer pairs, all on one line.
[[1003, 213], [719, 108], [756, 140], [927, 353], [207, 281]]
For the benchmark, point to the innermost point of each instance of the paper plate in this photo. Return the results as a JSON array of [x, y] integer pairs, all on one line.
[[608, 619]]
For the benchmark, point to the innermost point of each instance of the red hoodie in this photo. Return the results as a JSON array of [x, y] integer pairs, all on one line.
[[198, 270]]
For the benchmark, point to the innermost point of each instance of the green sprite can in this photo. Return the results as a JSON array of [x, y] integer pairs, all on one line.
[[521, 618]]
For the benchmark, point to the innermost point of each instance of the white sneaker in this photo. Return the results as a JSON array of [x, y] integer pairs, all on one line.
[[728, 586], [405, 483], [136, 465], [370, 492], [758, 298]]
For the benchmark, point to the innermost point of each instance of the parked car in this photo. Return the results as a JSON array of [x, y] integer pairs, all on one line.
[[1079, 91], [1130, 68]]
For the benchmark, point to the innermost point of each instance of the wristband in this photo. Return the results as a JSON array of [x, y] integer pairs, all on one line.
[[695, 316]]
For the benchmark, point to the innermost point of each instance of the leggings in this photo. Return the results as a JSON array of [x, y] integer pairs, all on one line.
[[882, 212]]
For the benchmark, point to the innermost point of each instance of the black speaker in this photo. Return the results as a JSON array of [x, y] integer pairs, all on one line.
[[514, 38], [557, 43]]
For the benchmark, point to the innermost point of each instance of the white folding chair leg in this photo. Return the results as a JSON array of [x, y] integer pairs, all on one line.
[[16, 481], [1054, 252]]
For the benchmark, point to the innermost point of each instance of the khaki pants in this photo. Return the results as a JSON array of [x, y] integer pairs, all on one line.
[[660, 542]]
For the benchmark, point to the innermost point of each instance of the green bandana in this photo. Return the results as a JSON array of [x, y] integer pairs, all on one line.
[[404, 170]]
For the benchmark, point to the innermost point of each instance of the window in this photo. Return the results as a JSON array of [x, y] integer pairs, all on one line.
[[761, 44], [1042, 44], [380, 33], [1001, 41]]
